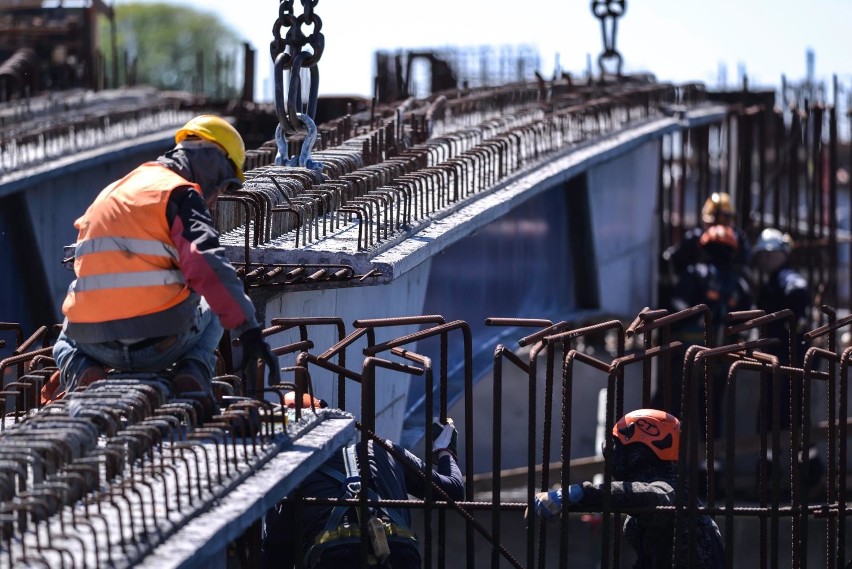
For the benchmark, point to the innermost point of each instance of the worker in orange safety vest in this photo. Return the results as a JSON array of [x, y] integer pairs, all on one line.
[[153, 289]]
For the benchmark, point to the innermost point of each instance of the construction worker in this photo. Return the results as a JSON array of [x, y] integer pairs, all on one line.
[[331, 535], [717, 282], [644, 458], [718, 209], [784, 288], [153, 289]]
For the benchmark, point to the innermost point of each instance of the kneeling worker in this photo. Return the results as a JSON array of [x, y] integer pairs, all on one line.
[[153, 289]]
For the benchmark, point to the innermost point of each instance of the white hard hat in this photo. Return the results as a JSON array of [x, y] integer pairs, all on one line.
[[773, 240]]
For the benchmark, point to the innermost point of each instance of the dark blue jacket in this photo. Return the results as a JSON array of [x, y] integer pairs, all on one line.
[[390, 479], [651, 534], [786, 289]]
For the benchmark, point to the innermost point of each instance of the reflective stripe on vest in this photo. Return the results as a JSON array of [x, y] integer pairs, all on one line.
[[128, 280], [126, 244]]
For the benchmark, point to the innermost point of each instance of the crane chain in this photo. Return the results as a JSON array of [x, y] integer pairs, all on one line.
[[608, 12], [289, 55]]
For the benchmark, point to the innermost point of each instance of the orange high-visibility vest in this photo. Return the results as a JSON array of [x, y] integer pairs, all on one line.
[[125, 260]]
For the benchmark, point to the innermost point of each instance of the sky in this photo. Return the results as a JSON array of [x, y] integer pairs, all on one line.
[[676, 40]]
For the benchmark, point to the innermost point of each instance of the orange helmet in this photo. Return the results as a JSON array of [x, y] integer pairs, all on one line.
[[655, 429], [307, 401], [720, 235]]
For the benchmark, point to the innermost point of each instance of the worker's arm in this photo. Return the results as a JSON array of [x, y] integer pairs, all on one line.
[[447, 475], [202, 260], [588, 495], [657, 493]]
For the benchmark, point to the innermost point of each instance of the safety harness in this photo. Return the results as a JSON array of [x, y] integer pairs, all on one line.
[[339, 531]]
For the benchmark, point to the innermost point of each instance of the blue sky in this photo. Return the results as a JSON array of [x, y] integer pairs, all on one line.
[[677, 40]]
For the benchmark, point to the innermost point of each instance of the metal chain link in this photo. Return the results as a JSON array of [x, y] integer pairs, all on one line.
[[295, 39], [289, 55], [608, 12]]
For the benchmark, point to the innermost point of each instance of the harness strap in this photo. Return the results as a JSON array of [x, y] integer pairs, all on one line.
[[350, 461], [354, 531], [349, 483], [335, 532]]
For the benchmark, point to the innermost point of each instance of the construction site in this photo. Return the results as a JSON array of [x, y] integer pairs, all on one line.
[[490, 247]]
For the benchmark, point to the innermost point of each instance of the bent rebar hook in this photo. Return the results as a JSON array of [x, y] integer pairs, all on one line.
[[304, 159]]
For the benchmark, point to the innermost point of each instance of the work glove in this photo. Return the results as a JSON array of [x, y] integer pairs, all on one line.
[[255, 347], [549, 504], [445, 437]]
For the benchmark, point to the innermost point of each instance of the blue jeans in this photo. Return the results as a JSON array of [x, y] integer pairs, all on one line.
[[198, 343]]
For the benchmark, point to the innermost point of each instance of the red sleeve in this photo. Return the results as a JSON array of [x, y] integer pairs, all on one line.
[[202, 260]]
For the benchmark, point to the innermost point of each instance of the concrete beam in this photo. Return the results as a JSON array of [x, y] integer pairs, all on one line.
[[202, 542], [429, 237]]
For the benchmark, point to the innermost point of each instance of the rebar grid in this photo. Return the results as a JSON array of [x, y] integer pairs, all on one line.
[[49, 129], [389, 173], [132, 464]]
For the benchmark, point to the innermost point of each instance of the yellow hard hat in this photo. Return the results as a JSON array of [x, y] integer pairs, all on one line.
[[217, 130], [719, 203]]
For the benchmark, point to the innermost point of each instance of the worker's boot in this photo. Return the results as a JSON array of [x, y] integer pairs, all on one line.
[[192, 381], [89, 376], [51, 391], [190, 376]]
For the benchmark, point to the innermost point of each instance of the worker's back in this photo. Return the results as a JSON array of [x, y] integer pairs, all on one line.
[[330, 535]]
